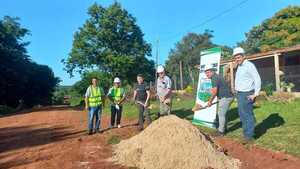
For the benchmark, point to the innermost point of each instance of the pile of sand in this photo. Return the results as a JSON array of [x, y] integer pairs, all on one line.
[[171, 143]]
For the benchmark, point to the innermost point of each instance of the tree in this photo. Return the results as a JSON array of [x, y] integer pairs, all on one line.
[[281, 30], [188, 51], [21, 78], [111, 41], [59, 94]]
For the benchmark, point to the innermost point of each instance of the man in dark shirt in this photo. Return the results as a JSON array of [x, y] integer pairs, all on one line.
[[141, 96], [220, 89]]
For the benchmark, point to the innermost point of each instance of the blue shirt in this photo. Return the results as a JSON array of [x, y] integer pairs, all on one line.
[[247, 78]]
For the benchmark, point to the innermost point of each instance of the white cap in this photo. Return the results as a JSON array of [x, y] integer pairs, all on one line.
[[160, 69], [209, 67], [238, 50], [117, 80]]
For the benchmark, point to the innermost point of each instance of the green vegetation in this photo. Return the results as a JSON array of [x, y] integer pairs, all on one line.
[[277, 125], [114, 139], [188, 52], [6, 110], [110, 41], [21, 78], [279, 31], [59, 94]]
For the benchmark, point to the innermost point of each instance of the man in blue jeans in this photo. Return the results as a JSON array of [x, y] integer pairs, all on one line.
[[94, 100], [247, 86]]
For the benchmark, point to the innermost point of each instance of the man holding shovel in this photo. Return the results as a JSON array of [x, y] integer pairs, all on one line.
[[141, 96], [164, 91], [221, 90], [116, 95]]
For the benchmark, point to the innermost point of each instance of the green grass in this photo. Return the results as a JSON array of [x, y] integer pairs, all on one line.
[[277, 124], [130, 110], [114, 139]]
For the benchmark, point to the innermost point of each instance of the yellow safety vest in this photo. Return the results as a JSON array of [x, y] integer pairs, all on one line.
[[95, 97], [117, 93]]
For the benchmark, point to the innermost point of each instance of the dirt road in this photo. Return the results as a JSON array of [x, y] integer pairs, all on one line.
[[56, 139]]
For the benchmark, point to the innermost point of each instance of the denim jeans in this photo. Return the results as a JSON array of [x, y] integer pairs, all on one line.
[[143, 112], [224, 104], [94, 112], [115, 114], [245, 107]]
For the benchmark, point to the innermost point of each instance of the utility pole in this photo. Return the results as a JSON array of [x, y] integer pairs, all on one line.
[[156, 62], [180, 69]]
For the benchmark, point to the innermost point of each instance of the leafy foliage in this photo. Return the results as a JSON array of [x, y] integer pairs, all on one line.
[[188, 51], [281, 30], [21, 78], [111, 41]]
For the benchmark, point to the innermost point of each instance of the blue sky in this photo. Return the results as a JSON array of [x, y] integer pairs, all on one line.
[[53, 22]]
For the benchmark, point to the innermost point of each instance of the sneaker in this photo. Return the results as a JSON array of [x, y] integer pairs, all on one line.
[[119, 126]]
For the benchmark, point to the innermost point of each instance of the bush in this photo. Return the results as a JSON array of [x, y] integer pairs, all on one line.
[[6, 110], [76, 101], [189, 89], [268, 88]]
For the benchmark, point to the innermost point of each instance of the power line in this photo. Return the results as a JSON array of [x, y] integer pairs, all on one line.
[[209, 19]]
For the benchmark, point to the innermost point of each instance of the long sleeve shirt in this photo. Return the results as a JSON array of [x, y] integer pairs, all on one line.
[[247, 78]]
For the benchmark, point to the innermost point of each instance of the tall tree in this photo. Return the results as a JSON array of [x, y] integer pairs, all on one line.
[[110, 40], [281, 30], [188, 51], [21, 78]]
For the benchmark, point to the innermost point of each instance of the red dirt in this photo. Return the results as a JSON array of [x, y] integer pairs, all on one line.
[[56, 138]]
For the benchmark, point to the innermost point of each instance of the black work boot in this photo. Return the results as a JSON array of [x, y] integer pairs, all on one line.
[[90, 132]]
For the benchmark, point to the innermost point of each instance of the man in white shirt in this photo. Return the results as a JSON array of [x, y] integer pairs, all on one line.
[[247, 86], [164, 91]]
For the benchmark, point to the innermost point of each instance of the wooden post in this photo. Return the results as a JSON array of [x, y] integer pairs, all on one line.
[[175, 82], [180, 69], [277, 74], [231, 77]]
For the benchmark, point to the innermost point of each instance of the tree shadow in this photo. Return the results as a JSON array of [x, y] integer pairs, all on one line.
[[184, 113], [41, 109], [232, 115], [13, 138], [272, 121]]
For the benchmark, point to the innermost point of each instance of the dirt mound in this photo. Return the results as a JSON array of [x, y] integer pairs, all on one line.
[[171, 143]]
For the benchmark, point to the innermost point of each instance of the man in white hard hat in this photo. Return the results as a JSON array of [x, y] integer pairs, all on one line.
[[221, 89], [247, 86], [164, 91], [116, 95]]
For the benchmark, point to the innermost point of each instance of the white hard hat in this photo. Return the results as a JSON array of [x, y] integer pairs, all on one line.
[[160, 69], [238, 50], [117, 80], [209, 67]]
